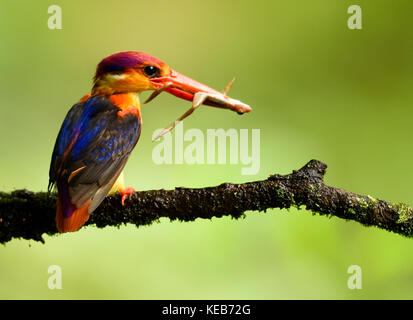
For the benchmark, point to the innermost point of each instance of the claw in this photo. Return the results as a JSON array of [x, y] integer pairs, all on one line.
[[199, 99], [125, 193]]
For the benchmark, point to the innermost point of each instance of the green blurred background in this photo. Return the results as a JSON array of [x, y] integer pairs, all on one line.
[[318, 90]]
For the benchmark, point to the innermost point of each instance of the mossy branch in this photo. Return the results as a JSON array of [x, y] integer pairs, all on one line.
[[29, 215]]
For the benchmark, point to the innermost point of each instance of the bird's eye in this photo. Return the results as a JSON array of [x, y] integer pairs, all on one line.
[[151, 71]]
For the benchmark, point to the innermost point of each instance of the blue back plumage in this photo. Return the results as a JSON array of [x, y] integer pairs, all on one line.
[[93, 136], [78, 122]]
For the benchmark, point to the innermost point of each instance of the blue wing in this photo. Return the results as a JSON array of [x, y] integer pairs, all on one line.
[[91, 150]]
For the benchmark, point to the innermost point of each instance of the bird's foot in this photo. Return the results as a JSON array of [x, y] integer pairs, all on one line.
[[125, 193]]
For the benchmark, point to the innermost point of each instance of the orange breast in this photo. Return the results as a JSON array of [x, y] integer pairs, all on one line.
[[128, 103]]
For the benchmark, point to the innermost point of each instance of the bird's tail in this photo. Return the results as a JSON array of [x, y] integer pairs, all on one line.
[[72, 223]]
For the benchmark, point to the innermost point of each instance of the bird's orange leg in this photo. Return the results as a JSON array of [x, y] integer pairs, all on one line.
[[125, 192]]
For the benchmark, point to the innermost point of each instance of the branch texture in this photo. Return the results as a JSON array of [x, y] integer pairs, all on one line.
[[28, 215]]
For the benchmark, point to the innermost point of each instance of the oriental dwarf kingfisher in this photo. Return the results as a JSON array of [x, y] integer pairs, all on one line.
[[100, 131]]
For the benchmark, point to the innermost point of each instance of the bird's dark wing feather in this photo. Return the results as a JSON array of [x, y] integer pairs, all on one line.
[[92, 148]]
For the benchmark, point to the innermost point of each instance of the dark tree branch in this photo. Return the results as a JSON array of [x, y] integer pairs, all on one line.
[[28, 215]]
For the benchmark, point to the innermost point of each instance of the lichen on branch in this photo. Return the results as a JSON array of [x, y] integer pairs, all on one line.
[[29, 215]]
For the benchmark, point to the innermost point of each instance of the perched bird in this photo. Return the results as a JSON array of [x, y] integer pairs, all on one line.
[[101, 130]]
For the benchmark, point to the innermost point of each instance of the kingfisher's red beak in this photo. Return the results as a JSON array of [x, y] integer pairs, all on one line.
[[184, 87]]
